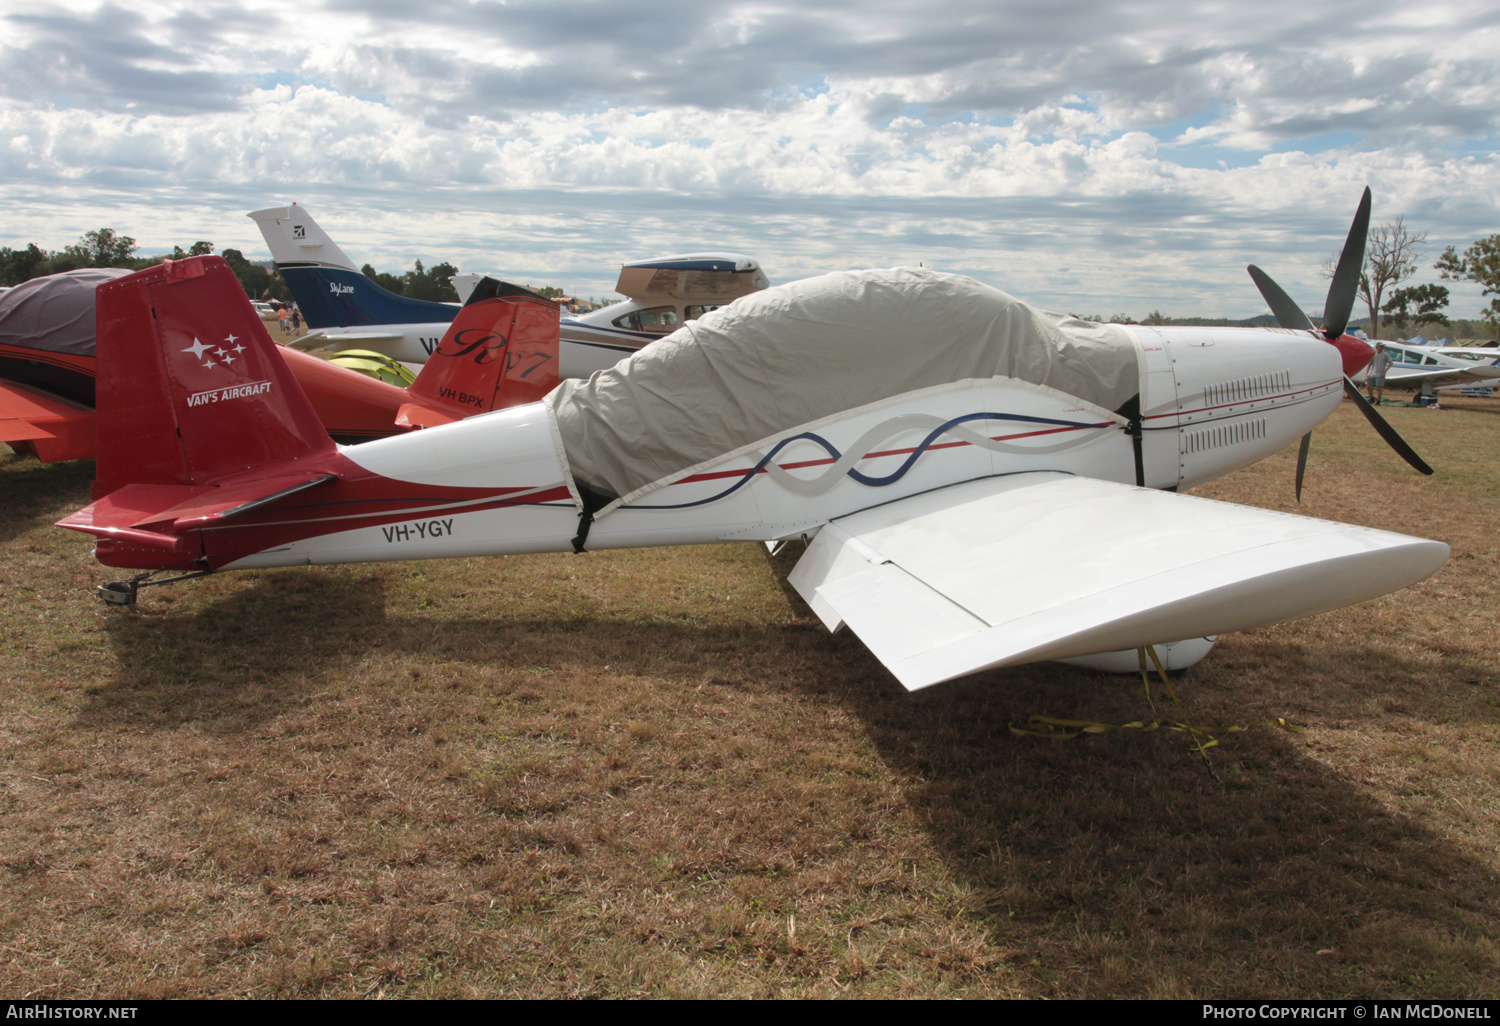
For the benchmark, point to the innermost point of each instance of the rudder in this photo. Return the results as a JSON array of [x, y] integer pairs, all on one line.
[[501, 351], [295, 238]]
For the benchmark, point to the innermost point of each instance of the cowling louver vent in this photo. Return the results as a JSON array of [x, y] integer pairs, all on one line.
[[1244, 390], [1220, 435]]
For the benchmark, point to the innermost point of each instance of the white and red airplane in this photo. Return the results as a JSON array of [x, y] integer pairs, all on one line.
[[980, 484]]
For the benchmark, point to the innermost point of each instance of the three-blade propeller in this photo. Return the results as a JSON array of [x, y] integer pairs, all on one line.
[[1342, 292]]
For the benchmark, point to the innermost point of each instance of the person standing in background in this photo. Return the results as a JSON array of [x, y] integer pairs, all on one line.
[[1375, 374]]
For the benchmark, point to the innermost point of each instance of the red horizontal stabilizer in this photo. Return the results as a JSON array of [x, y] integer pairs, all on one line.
[[14, 430], [351, 405], [222, 502], [500, 351], [51, 427], [164, 516], [132, 515]]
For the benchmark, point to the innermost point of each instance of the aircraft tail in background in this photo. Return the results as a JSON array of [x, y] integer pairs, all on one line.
[[329, 289], [501, 351], [295, 238]]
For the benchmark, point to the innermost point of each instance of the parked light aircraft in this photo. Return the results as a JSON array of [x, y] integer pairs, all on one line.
[[980, 484], [48, 369], [345, 309], [1427, 369]]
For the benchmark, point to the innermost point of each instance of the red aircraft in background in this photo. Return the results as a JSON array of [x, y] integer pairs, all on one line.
[[48, 375]]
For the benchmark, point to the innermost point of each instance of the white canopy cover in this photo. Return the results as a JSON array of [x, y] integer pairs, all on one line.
[[745, 374]]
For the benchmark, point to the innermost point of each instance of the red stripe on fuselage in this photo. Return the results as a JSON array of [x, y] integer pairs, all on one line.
[[359, 498], [1244, 402]]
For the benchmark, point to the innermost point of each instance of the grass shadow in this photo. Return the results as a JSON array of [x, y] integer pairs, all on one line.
[[1120, 868], [34, 494], [237, 660]]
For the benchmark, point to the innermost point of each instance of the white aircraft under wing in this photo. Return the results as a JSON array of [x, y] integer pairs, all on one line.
[[1037, 566], [1427, 368]]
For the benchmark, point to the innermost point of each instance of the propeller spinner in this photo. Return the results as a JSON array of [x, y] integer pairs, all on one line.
[[1342, 292]]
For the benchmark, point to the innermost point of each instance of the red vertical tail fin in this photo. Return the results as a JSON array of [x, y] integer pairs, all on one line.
[[501, 351], [191, 387]]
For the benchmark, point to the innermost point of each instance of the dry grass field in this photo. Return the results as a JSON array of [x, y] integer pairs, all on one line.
[[653, 773]]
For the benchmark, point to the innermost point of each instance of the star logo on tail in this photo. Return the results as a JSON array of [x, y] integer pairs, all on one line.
[[226, 353]]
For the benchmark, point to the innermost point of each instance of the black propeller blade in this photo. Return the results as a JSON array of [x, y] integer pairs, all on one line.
[[1288, 314], [1387, 432], [1345, 285], [1302, 461]]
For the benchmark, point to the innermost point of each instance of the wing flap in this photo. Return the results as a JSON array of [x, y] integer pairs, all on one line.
[[1033, 567]]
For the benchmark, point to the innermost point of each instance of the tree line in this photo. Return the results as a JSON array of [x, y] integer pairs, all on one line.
[[105, 247], [435, 285], [1392, 256]]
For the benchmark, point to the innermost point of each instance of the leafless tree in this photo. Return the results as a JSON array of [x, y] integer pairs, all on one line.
[[1391, 253]]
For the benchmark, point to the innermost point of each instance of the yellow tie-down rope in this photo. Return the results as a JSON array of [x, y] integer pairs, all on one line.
[[1064, 730]]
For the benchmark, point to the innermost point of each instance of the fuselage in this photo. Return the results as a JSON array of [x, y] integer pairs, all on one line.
[[1212, 400]]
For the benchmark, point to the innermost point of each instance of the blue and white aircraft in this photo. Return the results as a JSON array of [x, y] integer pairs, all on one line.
[[346, 310], [1429, 369]]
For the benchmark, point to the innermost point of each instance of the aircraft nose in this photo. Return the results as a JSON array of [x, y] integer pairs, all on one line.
[[1355, 353]]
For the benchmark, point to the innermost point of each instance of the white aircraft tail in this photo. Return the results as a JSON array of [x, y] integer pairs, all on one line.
[[295, 238]]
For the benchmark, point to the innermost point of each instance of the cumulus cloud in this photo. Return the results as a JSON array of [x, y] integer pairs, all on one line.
[[115, 58], [1139, 154]]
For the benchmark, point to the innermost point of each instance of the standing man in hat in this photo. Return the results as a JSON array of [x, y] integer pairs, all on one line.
[[1375, 373]]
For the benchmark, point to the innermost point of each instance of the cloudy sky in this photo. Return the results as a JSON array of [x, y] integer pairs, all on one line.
[[1091, 157]]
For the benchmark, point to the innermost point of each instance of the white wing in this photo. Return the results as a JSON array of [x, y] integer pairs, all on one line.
[[1029, 567], [1478, 375]]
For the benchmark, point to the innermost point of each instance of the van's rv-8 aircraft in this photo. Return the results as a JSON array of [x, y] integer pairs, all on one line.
[[980, 484], [346, 310]]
